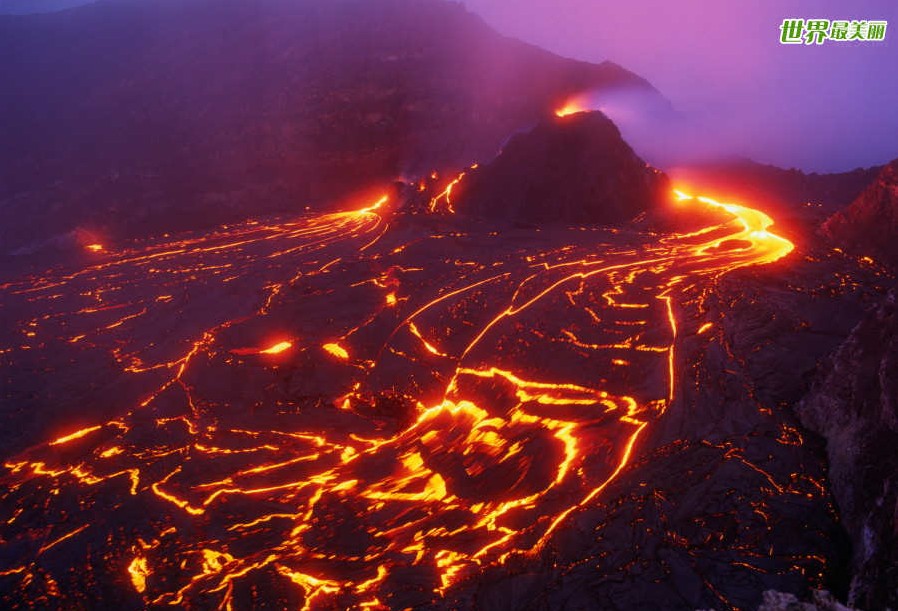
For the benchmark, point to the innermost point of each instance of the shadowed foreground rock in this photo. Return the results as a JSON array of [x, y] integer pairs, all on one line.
[[820, 601], [855, 407]]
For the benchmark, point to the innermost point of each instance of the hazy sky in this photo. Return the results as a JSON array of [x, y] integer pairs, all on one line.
[[829, 107]]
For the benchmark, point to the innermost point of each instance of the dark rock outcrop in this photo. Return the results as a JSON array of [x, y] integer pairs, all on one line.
[[869, 225], [854, 406], [781, 601], [575, 169], [726, 471]]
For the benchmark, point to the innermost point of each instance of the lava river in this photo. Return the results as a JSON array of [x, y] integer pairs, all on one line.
[[347, 410]]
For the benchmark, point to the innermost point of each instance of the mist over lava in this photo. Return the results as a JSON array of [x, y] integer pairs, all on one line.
[[739, 92]]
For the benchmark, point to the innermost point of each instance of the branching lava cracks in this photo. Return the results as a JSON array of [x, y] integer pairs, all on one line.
[[250, 448]]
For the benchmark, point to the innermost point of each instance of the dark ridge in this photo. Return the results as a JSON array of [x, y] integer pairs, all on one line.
[[779, 186], [869, 225]]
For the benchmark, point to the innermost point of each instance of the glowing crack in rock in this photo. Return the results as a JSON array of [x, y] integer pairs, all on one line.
[[511, 402]]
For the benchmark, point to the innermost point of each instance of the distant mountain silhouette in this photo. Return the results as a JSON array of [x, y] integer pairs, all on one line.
[[133, 117], [758, 182]]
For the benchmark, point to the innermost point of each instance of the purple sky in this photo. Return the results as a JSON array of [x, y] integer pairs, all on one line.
[[824, 108], [819, 108]]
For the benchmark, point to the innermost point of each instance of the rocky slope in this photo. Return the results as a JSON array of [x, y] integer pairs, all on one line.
[[820, 601], [854, 406], [869, 225], [149, 117], [576, 169], [728, 471]]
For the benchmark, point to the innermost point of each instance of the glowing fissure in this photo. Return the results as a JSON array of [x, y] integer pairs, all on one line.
[[526, 416], [571, 107]]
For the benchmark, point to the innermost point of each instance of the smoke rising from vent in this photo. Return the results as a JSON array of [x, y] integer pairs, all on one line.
[[737, 90]]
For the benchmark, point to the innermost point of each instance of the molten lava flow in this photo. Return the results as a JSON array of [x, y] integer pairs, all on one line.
[[486, 399], [446, 194], [139, 573], [375, 206], [278, 348], [763, 246], [336, 350], [705, 327]]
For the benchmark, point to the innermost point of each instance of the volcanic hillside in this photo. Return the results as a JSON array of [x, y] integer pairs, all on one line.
[[130, 118], [869, 225], [574, 169]]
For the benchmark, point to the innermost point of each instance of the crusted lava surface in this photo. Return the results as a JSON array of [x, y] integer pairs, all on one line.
[[376, 408], [549, 380]]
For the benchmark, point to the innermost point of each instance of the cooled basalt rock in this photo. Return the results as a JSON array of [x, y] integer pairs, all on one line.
[[854, 405], [574, 170], [820, 601], [870, 224]]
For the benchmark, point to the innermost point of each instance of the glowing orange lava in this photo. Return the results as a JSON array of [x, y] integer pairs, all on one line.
[[475, 416], [572, 106], [336, 350], [278, 348], [139, 573]]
